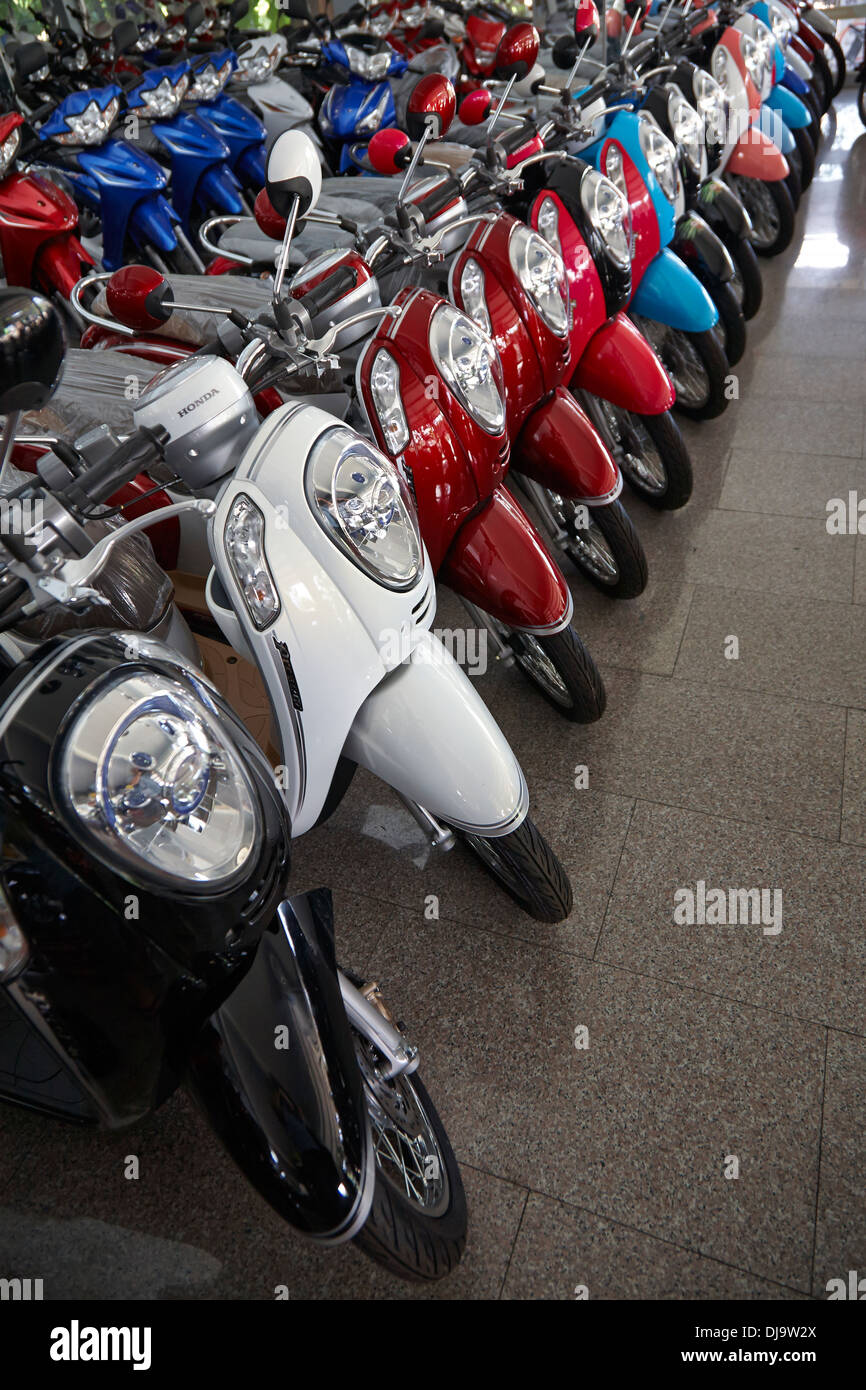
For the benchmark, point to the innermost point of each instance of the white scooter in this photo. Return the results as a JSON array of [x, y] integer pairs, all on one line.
[[321, 579]]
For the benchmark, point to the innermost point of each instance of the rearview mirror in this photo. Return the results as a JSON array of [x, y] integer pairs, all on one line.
[[431, 105], [586, 20], [139, 297], [268, 220], [293, 173], [517, 53], [124, 36], [32, 344], [389, 151], [475, 108]]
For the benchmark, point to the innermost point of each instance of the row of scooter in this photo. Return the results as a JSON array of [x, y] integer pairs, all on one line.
[[229, 499]]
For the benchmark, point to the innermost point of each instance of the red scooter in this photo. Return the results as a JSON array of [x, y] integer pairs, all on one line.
[[38, 224]]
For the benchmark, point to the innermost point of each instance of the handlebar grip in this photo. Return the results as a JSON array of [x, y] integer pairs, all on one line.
[[338, 283], [517, 136], [142, 449], [437, 200]]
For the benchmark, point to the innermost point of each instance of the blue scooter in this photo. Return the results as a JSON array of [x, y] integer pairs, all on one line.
[[361, 99]]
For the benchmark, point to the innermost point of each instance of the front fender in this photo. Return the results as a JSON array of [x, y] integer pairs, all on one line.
[[671, 294], [560, 448], [792, 110], [427, 733], [499, 562], [723, 210], [700, 248], [292, 1117], [755, 156], [152, 221], [620, 366]]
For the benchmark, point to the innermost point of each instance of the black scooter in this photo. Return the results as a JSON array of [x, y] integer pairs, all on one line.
[[146, 939]]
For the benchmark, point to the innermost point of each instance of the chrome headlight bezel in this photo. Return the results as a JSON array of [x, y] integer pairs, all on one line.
[[208, 81], [387, 401], [472, 294], [164, 100], [370, 121], [8, 150], [712, 104], [474, 378], [609, 213], [244, 540], [146, 811], [359, 497], [660, 154], [687, 128], [541, 272], [547, 223]]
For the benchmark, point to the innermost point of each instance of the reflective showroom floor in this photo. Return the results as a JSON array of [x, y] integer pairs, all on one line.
[[606, 1166]]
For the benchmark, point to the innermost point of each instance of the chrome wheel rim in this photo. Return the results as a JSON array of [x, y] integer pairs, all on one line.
[[589, 549], [682, 362], [635, 451], [408, 1157], [533, 659], [738, 285], [758, 202]]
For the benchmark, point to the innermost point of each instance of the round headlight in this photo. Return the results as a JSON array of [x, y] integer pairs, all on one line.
[[686, 127], [725, 70], [660, 155], [156, 786], [469, 364], [609, 212], [363, 504], [757, 63], [548, 223], [472, 293], [712, 105], [542, 274]]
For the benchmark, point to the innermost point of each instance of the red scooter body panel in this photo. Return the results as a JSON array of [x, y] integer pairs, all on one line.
[[163, 351], [756, 157], [451, 464], [33, 211], [524, 383], [560, 448], [620, 366], [809, 36], [584, 284], [644, 223], [500, 562]]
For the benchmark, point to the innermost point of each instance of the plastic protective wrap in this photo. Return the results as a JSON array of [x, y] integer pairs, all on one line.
[[96, 388]]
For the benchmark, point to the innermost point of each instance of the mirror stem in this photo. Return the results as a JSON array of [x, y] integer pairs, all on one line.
[[283, 261], [8, 439], [502, 100], [413, 165]]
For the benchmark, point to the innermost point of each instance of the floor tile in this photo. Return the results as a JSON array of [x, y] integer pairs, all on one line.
[[812, 967], [841, 1233], [790, 484], [854, 789]]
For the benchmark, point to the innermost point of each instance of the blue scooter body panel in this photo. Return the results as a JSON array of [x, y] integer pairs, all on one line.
[[671, 294], [792, 110], [129, 184], [195, 148], [625, 128], [239, 127]]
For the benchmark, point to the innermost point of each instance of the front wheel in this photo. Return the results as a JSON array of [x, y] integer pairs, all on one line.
[[651, 454], [526, 868], [836, 63], [604, 545], [731, 327], [561, 668], [806, 149], [771, 210], [746, 283], [696, 364], [417, 1223]]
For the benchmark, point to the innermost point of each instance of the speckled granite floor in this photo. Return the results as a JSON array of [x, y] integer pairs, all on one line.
[[606, 1167]]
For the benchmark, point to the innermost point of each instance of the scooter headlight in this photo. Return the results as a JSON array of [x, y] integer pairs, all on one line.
[[757, 60], [385, 390], [609, 212], [542, 274], [469, 364], [14, 947], [687, 128], [90, 126], [209, 81], [370, 120], [165, 98], [245, 545], [547, 223], [258, 65], [725, 71], [782, 22], [363, 504], [8, 150], [472, 292], [154, 783], [712, 105], [371, 66], [660, 154]]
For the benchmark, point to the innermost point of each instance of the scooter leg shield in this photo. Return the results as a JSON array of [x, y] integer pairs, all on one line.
[[792, 110], [151, 221], [619, 366], [560, 448], [426, 732], [499, 562], [293, 1118], [218, 188], [755, 156], [671, 294]]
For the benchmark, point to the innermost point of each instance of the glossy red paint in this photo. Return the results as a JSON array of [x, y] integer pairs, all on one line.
[[586, 19], [524, 380], [163, 351], [322, 272], [432, 97], [560, 448], [222, 265], [482, 40], [732, 39], [267, 218], [37, 234], [500, 562], [489, 246], [389, 151], [620, 366], [474, 108], [810, 37], [518, 49], [452, 465], [127, 294], [533, 146], [644, 223], [584, 285], [756, 157], [9, 122]]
